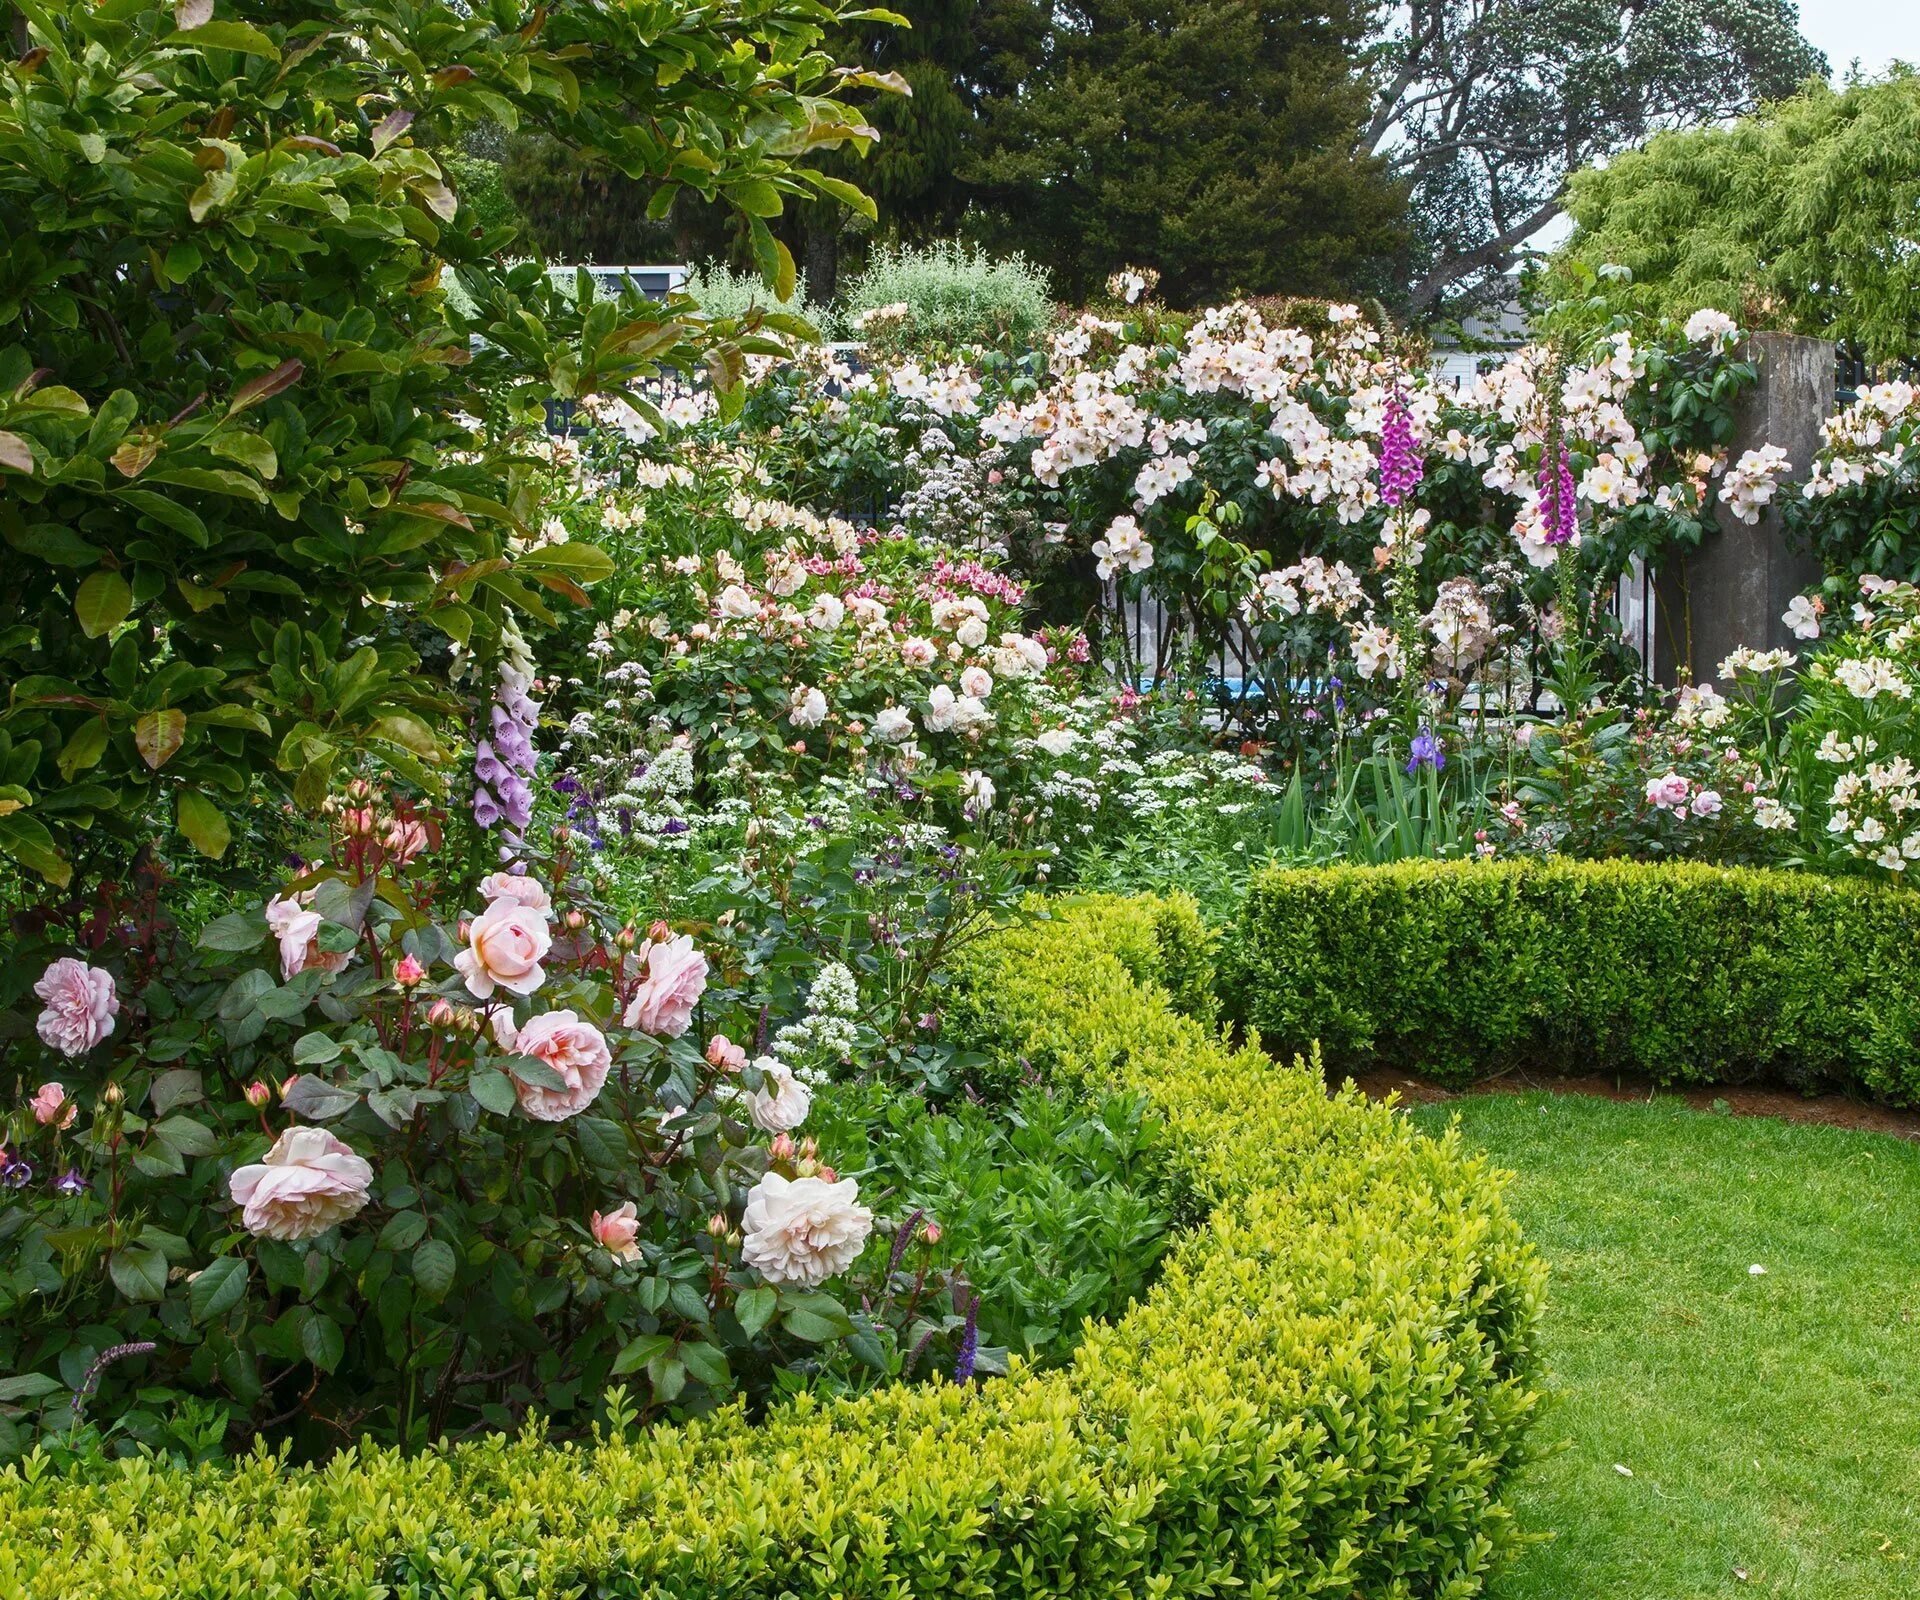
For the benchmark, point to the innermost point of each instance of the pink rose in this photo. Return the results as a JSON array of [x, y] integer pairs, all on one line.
[[676, 976], [617, 1230], [1668, 791], [81, 1005], [305, 1184], [723, 1053], [575, 1049], [520, 890], [505, 944], [297, 927], [48, 1104]]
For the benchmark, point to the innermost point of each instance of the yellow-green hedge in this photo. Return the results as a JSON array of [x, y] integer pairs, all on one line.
[[1688, 973], [1324, 1395]]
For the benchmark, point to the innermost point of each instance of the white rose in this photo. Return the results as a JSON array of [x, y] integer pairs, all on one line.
[[782, 1101], [977, 681], [808, 707], [893, 724], [804, 1230]]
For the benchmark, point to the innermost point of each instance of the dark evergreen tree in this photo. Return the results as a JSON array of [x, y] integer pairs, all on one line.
[[1215, 140]]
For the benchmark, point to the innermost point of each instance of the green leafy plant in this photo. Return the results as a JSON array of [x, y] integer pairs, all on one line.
[[242, 509]]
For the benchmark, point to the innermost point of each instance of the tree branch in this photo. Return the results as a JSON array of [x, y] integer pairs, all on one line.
[[1492, 253]]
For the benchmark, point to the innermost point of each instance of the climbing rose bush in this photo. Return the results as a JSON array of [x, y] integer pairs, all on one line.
[[1854, 748]]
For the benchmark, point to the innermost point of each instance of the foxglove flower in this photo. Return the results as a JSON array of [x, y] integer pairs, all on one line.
[[1401, 465], [504, 760], [1557, 510]]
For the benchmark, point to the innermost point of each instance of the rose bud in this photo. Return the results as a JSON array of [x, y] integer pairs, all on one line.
[[782, 1147], [441, 1014], [409, 971], [576, 920], [660, 932], [718, 1226], [258, 1094], [930, 1233]]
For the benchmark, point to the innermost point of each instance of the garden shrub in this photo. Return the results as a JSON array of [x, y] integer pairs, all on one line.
[[1325, 1394], [1687, 973], [946, 294]]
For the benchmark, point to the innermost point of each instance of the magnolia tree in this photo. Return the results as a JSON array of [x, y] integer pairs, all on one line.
[[245, 497]]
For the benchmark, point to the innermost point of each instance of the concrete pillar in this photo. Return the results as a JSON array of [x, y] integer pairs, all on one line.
[[1732, 590]]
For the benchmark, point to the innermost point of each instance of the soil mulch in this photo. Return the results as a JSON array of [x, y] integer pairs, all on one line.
[[1827, 1110]]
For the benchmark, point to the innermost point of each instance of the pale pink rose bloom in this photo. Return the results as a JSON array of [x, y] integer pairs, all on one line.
[[305, 1184], [81, 1005], [804, 1230], [505, 944], [1668, 791], [521, 890], [296, 926], [782, 1101], [575, 1049], [51, 1105], [723, 1053], [976, 681], [676, 975], [617, 1231]]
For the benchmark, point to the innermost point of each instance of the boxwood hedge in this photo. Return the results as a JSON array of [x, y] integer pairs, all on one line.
[[1687, 973], [1324, 1394]]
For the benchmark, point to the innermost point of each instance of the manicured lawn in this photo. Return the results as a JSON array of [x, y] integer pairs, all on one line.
[[1771, 1422]]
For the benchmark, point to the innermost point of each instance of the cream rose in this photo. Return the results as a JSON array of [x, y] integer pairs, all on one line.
[[574, 1048], [804, 1230], [675, 977], [297, 926], [519, 890], [305, 1184], [782, 1101], [81, 1006], [505, 944]]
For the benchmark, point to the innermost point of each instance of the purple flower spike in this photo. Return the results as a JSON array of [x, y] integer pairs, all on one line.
[[1401, 465], [1557, 507], [505, 760]]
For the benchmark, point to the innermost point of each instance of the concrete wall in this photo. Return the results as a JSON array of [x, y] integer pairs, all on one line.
[[1732, 591]]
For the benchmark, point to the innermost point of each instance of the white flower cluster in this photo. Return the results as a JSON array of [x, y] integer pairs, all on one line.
[[1877, 436], [1747, 489]]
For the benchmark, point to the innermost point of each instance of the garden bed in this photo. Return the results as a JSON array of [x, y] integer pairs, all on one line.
[[1327, 1391]]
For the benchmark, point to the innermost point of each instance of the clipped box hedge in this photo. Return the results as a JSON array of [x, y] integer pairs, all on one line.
[[1324, 1395], [1687, 973]]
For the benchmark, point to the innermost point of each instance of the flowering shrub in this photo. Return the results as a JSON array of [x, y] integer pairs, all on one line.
[[1853, 748], [1649, 783], [1859, 509], [381, 1157]]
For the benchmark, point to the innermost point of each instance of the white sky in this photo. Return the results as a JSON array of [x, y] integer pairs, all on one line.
[[1876, 31]]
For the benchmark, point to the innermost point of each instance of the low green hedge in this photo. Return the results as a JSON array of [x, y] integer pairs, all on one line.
[[1324, 1395], [1689, 974]]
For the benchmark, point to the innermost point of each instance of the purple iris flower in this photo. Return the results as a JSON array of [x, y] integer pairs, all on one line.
[[1426, 752]]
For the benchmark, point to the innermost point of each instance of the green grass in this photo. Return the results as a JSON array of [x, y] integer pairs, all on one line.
[[1771, 1422]]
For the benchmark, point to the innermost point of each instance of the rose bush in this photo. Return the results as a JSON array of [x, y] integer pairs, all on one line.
[[377, 1156]]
